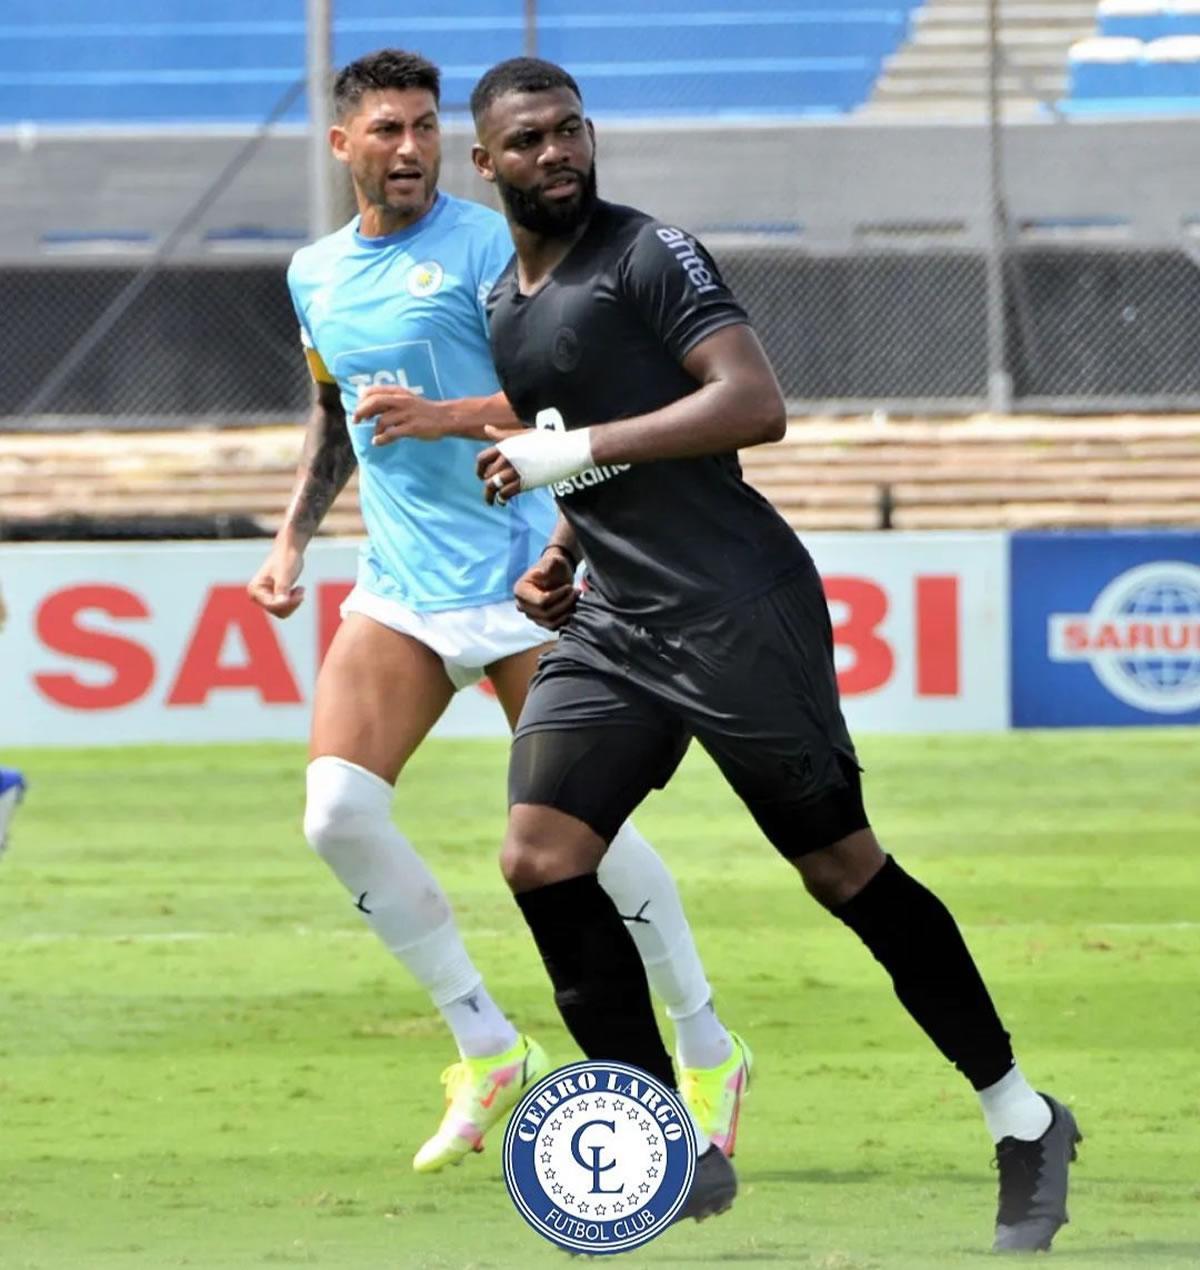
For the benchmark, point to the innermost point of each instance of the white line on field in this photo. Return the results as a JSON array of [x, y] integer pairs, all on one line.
[[308, 932], [169, 936], [201, 936]]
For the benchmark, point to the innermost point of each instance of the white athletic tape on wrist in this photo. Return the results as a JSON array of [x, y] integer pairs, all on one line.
[[542, 457]]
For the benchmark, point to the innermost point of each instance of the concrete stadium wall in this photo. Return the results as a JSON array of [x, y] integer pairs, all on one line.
[[858, 249], [837, 183]]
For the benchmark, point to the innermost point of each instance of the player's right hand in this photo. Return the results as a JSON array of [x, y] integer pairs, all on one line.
[[274, 585], [547, 593], [399, 412]]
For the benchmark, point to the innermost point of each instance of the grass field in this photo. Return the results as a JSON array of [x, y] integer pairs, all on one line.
[[206, 1061]]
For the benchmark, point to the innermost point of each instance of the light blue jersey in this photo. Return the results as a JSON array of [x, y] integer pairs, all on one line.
[[408, 309]]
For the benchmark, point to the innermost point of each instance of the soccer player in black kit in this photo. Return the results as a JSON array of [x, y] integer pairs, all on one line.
[[703, 617]]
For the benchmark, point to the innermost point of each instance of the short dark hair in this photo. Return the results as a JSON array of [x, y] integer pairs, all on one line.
[[519, 75], [380, 71]]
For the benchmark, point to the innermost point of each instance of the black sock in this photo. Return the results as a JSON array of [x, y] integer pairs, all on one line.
[[912, 935], [599, 981]]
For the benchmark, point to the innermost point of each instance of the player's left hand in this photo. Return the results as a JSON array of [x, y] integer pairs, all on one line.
[[398, 413], [546, 592], [531, 459]]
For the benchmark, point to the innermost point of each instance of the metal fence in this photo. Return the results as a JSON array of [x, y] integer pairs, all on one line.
[[921, 251]]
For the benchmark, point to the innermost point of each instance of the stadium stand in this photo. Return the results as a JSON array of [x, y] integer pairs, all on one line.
[[159, 63], [1144, 58], [1148, 19], [942, 68], [826, 474], [983, 473]]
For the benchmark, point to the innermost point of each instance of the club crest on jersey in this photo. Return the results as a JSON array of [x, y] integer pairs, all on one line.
[[599, 1157], [425, 279], [565, 351]]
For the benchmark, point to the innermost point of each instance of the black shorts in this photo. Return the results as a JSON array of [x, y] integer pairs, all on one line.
[[613, 705]]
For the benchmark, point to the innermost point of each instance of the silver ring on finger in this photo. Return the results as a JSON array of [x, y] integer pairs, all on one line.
[[498, 481]]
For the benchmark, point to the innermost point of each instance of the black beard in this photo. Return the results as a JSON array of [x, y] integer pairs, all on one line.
[[528, 209]]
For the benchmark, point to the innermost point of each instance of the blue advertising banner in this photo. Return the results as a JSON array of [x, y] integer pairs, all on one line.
[[1105, 628]]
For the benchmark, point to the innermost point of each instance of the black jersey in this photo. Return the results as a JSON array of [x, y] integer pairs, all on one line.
[[605, 339]]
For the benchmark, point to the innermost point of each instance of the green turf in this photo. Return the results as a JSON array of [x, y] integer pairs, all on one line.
[[206, 1061]]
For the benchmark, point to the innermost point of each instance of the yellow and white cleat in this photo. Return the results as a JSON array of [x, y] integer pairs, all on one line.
[[480, 1092], [714, 1094]]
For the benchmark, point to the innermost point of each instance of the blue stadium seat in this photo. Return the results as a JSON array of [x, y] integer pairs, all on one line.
[[1129, 26], [253, 237], [1145, 61], [1148, 19], [175, 13], [96, 242], [785, 86], [659, 37], [223, 61], [1134, 19], [1105, 68], [1183, 18], [1172, 67], [201, 98], [178, 12], [687, 9]]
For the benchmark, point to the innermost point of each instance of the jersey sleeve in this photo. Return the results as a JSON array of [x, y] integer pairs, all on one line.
[[316, 364], [491, 262], [676, 287]]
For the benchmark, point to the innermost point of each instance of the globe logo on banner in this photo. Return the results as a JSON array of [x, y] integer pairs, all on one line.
[[599, 1157], [1142, 637]]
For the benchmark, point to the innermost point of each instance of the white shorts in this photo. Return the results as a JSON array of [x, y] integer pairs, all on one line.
[[467, 640]]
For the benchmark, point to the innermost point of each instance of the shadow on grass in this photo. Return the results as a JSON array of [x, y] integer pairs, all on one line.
[[1129, 1251], [812, 1177], [757, 1256], [856, 1177]]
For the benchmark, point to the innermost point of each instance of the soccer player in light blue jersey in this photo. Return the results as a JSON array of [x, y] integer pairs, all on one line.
[[391, 311]]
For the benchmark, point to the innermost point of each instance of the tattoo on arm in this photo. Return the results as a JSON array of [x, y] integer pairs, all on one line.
[[327, 462]]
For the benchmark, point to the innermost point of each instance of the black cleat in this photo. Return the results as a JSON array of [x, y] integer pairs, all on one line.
[[713, 1187], [1033, 1184]]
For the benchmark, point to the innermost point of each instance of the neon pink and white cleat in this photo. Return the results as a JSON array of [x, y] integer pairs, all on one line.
[[714, 1094], [479, 1093]]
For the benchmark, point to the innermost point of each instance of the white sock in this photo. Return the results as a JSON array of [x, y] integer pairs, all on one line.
[[479, 1025], [642, 888], [348, 822], [1012, 1108], [701, 1038]]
